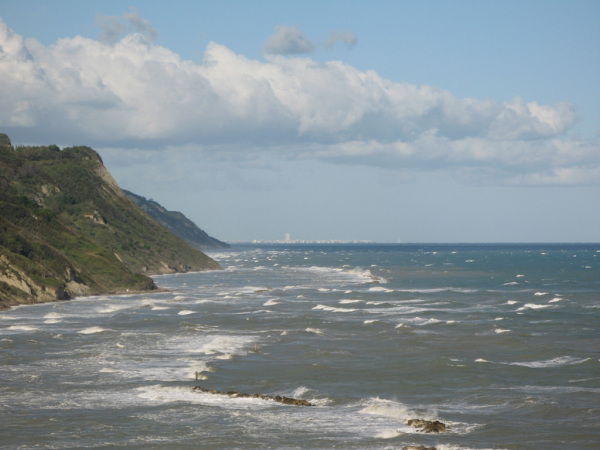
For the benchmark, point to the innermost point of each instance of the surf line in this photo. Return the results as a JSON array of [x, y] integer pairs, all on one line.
[[237, 394]]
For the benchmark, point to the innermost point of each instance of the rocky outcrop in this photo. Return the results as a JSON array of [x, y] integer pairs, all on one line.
[[237, 394], [427, 426]]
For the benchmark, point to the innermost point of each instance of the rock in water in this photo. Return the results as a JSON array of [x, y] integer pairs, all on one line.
[[427, 426], [277, 398]]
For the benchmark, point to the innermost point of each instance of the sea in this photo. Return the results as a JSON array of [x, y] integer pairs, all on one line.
[[501, 343]]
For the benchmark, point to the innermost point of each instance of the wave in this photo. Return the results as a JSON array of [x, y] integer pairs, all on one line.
[[186, 312], [560, 361], [380, 289], [437, 290], [501, 330], [356, 274], [113, 308], [22, 328], [368, 322], [554, 362], [418, 321], [333, 309], [314, 331], [388, 408], [53, 315], [271, 302], [92, 330], [532, 306]]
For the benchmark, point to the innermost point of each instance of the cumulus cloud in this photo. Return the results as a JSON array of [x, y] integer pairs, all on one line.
[[114, 27], [288, 40], [132, 93]]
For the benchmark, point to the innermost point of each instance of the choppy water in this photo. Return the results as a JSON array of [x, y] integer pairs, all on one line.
[[501, 343]]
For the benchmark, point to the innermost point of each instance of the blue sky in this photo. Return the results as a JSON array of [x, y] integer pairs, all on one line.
[[428, 121]]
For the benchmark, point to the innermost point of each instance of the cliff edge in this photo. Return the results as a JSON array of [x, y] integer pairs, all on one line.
[[67, 229]]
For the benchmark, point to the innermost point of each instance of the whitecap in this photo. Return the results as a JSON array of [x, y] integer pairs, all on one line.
[[186, 312], [520, 275], [380, 289], [541, 293], [532, 306], [333, 309], [555, 299], [53, 315], [387, 408], [510, 283], [368, 322], [349, 301], [501, 330], [481, 360], [21, 328], [113, 308], [92, 330], [159, 308], [314, 330], [388, 434], [419, 321], [271, 302], [512, 302], [554, 362]]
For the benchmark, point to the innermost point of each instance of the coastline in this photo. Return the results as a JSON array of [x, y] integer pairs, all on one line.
[[97, 294]]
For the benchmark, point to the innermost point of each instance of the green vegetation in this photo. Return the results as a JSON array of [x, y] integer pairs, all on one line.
[[177, 223], [67, 229]]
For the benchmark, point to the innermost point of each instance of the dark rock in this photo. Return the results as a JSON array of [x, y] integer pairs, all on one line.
[[427, 426], [237, 394]]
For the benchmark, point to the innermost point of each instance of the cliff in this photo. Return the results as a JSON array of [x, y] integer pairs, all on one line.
[[177, 223], [67, 229]]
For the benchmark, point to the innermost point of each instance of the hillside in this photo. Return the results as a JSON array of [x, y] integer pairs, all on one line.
[[177, 223], [67, 229]]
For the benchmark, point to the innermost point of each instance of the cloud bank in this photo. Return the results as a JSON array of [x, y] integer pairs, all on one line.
[[130, 93]]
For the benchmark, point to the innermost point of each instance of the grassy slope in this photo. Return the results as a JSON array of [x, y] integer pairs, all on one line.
[[67, 229], [177, 223]]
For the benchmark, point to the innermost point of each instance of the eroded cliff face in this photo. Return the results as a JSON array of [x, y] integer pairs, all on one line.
[[23, 289], [67, 229]]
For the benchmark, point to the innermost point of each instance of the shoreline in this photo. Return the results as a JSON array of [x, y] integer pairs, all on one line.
[[4, 308]]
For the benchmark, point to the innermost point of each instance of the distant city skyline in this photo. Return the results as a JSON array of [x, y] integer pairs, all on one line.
[[387, 121]]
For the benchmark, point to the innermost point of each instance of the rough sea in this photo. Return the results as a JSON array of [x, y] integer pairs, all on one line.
[[499, 342]]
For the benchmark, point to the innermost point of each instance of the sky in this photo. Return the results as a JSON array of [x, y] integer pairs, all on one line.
[[387, 121]]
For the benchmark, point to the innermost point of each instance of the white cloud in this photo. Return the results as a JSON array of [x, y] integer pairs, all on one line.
[[133, 93], [114, 27]]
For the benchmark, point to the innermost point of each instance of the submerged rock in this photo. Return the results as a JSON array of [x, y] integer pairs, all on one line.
[[237, 394], [427, 426]]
